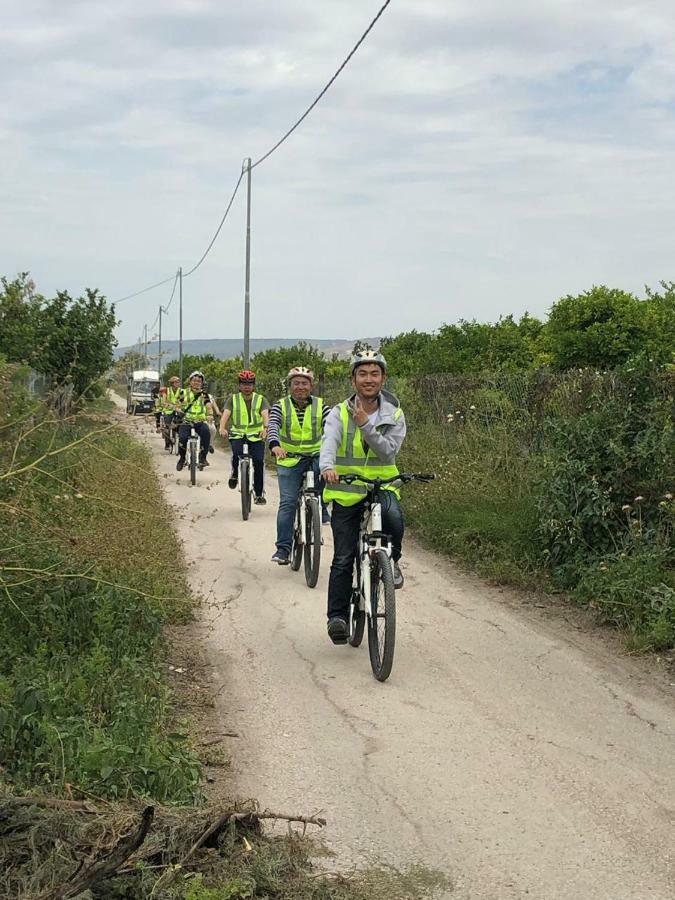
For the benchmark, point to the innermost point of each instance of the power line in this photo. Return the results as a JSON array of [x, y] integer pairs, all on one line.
[[175, 282], [222, 222], [144, 291], [326, 88]]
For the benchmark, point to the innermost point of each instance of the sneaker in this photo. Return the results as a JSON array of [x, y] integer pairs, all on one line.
[[232, 482], [212, 449], [281, 557], [337, 630], [180, 465], [399, 580], [260, 501], [204, 462]]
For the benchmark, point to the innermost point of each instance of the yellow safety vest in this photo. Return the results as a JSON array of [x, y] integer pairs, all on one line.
[[197, 411], [243, 424], [297, 437], [353, 459]]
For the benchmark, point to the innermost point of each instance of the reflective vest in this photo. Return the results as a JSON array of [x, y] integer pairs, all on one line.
[[243, 424], [171, 398], [353, 459], [197, 411], [160, 403], [295, 437]]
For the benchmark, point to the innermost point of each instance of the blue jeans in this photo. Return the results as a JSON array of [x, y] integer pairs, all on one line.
[[290, 482], [256, 450], [345, 522], [202, 430]]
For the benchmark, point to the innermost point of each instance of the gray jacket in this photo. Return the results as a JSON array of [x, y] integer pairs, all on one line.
[[384, 437]]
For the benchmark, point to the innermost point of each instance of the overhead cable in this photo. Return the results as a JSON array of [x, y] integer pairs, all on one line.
[[144, 291], [175, 282], [222, 222], [326, 88]]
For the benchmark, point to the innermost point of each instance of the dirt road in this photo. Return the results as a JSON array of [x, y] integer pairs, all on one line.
[[508, 749]]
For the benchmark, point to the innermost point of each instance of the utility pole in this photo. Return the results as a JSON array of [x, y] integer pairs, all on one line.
[[159, 349], [145, 345], [180, 325], [247, 290]]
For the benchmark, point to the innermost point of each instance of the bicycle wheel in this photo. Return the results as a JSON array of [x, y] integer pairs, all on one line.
[[296, 546], [312, 542], [193, 462], [245, 489], [382, 623]]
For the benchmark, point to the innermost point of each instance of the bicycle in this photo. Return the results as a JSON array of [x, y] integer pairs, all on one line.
[[169, 434], [192, 454], [307, 528], [373, 598], [245, 480]]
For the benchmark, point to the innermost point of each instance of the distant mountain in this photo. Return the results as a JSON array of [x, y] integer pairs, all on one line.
[[227, 348]]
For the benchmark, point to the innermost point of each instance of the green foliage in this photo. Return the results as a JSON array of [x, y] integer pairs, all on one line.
[[606, 328], [88, 579], [69, 340]]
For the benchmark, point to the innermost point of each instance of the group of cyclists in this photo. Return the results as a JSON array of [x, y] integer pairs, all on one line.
[[361, 436]]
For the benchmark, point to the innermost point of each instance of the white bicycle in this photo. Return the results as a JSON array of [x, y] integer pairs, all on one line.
[[307, 528], [373, 596]]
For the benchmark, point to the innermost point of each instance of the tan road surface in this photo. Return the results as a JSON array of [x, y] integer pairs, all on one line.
[[508, 749]]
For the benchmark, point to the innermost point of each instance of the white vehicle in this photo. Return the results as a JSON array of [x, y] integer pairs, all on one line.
[[142, 388]]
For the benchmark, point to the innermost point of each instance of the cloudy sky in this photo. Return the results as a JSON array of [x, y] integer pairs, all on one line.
[[475, 158]]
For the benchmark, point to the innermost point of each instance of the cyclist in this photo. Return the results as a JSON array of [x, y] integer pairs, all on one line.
[[172, 392], [160, 405], [295, 426], [196, 407], [248, 414], [362, 436]]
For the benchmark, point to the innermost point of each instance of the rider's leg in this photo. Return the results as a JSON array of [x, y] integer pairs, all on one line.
[[392, 522], [168, 418], [257, 451], [236, 446], [202, 430], [290, 480], [345, 522], [183, 435]]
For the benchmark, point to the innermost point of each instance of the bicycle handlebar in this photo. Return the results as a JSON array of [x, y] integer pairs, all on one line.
[[403, 478], [292, 455]]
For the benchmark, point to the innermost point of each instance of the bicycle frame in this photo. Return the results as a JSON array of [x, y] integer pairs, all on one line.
[[371, 539], [307, 489], [245, 456]]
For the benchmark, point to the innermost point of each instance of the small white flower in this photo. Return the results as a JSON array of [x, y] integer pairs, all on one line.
[[79, 496], [472, 407], [668, 496], [626, 507], [639, 499]]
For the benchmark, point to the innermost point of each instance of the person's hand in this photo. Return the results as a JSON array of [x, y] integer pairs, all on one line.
[[223, 431], [279, 452], [359, 414], [330, 476]]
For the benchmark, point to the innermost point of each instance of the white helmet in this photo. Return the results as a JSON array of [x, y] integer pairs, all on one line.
[[302, 371], [197, 374], [368, 356]]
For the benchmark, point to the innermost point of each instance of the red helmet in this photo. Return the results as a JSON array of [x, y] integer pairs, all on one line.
[[247, 376]]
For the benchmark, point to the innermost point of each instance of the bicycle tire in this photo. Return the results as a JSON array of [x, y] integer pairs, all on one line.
[[296, 546], [245, 489], [193, 463], [382, 622], [357, 616], [312, 549]]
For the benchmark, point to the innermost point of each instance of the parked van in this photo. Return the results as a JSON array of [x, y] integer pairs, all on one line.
[[142, 388]]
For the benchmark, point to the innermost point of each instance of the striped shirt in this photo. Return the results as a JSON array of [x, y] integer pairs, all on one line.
[[275, 420]]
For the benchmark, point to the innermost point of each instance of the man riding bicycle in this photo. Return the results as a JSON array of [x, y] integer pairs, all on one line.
[[362, 436], [295, 426], [248, 415], [172, 396], [194, 406]]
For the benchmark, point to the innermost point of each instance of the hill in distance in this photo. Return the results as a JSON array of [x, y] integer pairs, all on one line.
[[228, 348]]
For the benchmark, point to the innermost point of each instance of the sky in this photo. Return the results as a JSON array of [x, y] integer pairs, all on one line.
[[474, 159]]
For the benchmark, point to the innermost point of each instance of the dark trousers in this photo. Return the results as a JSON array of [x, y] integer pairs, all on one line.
[[256, 450], [158, 418], [345, 521], [202, 430]]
